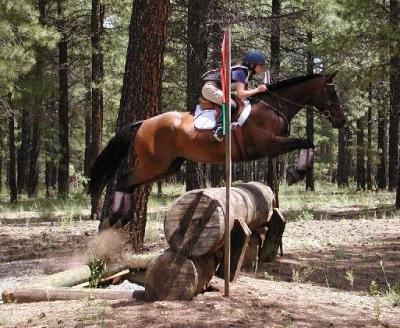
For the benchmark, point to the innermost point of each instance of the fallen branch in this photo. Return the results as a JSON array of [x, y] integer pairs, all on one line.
[[27, 295]]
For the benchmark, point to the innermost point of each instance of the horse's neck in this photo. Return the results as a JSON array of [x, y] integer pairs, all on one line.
[[293, 99]]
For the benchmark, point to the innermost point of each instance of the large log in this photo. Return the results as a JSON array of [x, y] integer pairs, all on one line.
[[195, 223], [27, 295], [175, 277]]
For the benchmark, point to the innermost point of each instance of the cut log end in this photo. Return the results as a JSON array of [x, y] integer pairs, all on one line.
[[175, 277]]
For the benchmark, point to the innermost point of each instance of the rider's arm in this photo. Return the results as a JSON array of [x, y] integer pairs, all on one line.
[[242, 93]]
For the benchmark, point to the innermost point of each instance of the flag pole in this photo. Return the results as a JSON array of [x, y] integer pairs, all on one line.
[[228, 157]]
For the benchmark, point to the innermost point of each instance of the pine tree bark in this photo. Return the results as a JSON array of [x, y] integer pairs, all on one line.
[[360, 168], [342, 169], [141, 92], [310, 113], [272, 177], [23, 152], [63, 164], [12, 173], [394, 18], [382, 148], [196, 59], [33, 178], [88, 125], [369, 141], [97, 90]]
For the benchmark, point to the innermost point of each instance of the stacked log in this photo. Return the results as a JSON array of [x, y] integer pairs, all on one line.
[[194, 228], [195, 224]]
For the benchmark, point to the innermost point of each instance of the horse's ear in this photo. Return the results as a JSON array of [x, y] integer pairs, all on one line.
[[330, 77]]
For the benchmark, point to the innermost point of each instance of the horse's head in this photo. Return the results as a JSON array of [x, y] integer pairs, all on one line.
[[327, 102]]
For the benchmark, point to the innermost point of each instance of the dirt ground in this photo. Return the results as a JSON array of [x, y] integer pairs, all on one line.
[[321, 281]]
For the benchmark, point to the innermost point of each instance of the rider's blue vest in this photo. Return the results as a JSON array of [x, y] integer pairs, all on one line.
[[214, 74]]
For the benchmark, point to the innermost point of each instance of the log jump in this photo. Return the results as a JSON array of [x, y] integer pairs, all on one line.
[[194, 228]]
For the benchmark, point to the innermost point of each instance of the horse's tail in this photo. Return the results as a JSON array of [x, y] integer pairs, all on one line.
[[106, 164]]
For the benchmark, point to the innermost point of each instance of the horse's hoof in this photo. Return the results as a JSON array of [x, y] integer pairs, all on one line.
[[295, 176]]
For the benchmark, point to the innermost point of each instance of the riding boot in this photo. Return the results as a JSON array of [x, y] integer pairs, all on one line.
[[217, 132]]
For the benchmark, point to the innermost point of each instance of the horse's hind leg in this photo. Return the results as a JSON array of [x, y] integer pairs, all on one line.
[[143, 174]]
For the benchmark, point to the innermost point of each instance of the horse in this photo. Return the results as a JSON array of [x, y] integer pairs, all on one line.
[[156, 147]]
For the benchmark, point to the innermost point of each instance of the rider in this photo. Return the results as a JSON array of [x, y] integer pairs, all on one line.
[[253, 63]]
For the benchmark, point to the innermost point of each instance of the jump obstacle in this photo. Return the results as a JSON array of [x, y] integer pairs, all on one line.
[[194, 228]]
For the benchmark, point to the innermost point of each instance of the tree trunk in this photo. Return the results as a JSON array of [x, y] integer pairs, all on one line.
[[272, 178], [310, 113], [23, 152], [63, 164], [360, 168], [97, 90], [11, 146], [381, 171], [196, 66], [217, 175], [33, 178], [88, 125], [275, 40], [369, 141], [394, 94], [141, 92], [342, 169]]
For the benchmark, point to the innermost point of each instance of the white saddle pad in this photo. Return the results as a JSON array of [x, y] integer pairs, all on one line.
[[206, 119]]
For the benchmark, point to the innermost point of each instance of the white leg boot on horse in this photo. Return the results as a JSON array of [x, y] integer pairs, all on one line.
[[305, 163]]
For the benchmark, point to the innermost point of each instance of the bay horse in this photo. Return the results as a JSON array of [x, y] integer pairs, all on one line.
[[162, 143]]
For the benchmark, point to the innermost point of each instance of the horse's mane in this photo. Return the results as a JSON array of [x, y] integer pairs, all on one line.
[[289, 82]]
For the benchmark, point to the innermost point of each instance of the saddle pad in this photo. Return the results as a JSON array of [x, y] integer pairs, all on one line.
[[204, 119], [245, 112]]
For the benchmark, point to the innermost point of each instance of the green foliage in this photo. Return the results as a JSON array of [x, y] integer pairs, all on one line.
[[97, 268], [20, 35]]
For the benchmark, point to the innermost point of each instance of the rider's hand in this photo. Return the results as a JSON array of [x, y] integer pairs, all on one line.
[[262, 88]]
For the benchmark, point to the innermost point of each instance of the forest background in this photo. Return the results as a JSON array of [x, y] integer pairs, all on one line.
[[63, 64]]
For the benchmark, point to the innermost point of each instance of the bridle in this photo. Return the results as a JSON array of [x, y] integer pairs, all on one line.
[[332, 101]]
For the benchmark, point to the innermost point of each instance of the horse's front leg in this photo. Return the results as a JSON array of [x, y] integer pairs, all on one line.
[[282, 145], [305, 160]]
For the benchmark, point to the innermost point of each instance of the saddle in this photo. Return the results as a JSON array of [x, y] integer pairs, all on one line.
[[208, 105], [207, 113]]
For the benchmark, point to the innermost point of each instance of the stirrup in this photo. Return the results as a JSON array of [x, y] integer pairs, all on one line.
[[217, 134]]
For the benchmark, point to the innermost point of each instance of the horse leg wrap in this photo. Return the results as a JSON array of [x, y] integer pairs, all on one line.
[[118, 202], [305, 162], [121, 204]]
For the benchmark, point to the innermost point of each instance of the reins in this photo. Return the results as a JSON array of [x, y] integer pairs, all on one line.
[[278, 98]]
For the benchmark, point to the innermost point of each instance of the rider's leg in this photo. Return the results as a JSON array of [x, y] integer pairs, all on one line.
[[212, 93]]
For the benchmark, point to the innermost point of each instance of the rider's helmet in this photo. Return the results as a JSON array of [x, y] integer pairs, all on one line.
[[254, 57]]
